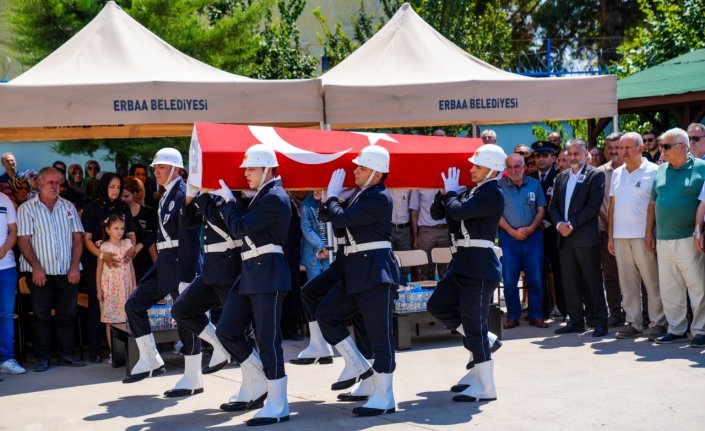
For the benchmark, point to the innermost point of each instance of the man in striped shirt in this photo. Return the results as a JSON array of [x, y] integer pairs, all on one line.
[[49, 236]]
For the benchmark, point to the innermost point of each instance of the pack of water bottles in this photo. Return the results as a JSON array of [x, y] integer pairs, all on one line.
[[412, 299], [160, 314]]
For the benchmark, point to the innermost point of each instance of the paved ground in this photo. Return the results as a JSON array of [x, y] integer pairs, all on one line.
[[544, 382]]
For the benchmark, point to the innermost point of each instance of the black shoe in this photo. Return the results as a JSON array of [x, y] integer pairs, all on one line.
[[600, 331], [309, 361], [459, 388], [174, 393], [95, 359], [348, 396], [266, 421], [615, 320], [70, 361], [241, 406], [495, 346], [41, 365], [141, 376], [209, 370], [469, 399], [368, 411], [339, 386], [570, 328]]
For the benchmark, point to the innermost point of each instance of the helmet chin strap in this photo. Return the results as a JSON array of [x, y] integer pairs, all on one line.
[[263, 178], [369, 179]]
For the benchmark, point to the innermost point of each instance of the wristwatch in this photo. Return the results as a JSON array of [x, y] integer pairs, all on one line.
[[696, 234]]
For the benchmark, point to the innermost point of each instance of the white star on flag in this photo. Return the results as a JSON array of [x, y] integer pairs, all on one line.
[[374, 137]]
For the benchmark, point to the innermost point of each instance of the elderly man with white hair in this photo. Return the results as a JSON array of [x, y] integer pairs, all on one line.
[[629, 196], [674, 201]]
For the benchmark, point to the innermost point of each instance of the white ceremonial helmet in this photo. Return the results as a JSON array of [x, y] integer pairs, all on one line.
[[374, 157], [490, 156], [168, 156], [259, 156]]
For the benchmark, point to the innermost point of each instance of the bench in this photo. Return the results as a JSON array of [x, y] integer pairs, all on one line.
[[125, 347]]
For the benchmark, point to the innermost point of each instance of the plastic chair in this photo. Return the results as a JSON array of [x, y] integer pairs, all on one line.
[[409, 258]]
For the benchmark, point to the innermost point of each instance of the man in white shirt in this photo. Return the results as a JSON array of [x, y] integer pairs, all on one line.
[[427, 232], [630, 193]]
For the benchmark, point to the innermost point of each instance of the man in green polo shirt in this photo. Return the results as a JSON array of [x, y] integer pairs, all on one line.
[[674, 202]]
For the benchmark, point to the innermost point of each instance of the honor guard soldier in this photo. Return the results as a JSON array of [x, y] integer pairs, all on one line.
[[369, 278], [462, 298], [221, 266], [258, 294], [318, 350], [175, 268]]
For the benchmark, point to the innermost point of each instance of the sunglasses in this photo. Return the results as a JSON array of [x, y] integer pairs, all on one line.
[[92, 168], [669, 146], [695, 138], [531, 164], [649, 139]]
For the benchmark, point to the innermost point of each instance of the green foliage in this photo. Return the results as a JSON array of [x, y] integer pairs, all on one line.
[[280, 54], [669, 29]]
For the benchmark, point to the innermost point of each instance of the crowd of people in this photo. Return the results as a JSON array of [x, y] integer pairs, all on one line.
[[598, 238]]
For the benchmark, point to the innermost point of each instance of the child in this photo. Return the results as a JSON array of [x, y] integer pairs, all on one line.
[[114, 285]]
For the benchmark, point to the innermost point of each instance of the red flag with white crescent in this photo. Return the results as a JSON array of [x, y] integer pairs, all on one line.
[[308, 157]]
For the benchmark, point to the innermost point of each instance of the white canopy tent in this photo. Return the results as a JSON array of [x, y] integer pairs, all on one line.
[[115, 78], [408, 74]]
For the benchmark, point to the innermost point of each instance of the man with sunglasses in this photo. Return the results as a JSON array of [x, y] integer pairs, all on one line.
[[674, 201], [651, 151], [696, 137]]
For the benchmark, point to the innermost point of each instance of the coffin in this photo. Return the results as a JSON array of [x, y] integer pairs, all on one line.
[[308, 157]]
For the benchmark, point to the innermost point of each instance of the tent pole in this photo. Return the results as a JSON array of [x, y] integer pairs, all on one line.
[[474, 130], [329, 226], [615, 123]]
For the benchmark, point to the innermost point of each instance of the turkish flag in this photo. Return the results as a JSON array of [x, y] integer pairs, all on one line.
[[307, 158]]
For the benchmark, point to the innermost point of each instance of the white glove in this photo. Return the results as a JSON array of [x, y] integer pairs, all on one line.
[[183, 286], [224, 192], [192, 191], [451, 183], [335, 186]]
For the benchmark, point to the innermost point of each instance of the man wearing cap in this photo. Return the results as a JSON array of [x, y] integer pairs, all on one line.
[[462, 299], [176, 267], [553, 299], [574, 209], [370, 275], [258, 294]]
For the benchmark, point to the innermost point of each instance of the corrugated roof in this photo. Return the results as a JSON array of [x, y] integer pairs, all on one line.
[[684, 74]]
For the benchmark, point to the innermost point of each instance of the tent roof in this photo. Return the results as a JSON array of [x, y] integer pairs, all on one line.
[[681, 75], [408, 74], [114, 47]]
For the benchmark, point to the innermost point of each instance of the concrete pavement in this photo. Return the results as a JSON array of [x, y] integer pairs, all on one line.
[[544, 382]]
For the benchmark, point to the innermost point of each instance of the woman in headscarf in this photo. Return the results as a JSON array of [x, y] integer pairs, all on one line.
[[92, 169], [106, 201]]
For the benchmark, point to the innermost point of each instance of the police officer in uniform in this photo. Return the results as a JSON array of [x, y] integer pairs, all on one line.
[[369, 278], [258, 294], [462, 299], [221, 266], [175, 268]]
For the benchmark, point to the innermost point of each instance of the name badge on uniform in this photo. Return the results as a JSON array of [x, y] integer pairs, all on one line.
[[638, 183], [69, 214], [581, 178], [532, 197], [171, 205], [549, 191]]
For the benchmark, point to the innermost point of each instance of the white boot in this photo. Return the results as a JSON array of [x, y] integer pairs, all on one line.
[[467, 380], [362, 390], [356, 366], [149, 364], [482, 388], [382, 399], [220, 356], [276, 406], [253, 389], [318, 350], [192, 381]]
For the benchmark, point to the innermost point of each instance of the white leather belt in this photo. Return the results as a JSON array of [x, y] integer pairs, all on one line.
[[376, 245], [222, 246], [479, 243], [340, 241], [167, 244], [267, 248]]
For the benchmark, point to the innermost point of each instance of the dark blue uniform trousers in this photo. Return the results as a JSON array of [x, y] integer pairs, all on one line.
[[146, 295], [263, 311], [313, 293], [190, 308], [458, 299], [375, 306]]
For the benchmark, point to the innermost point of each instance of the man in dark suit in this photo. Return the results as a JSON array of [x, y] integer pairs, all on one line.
[[553, 299], [574, 209]]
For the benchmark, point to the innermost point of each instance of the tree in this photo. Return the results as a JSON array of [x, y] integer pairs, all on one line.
[[222, 33]]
